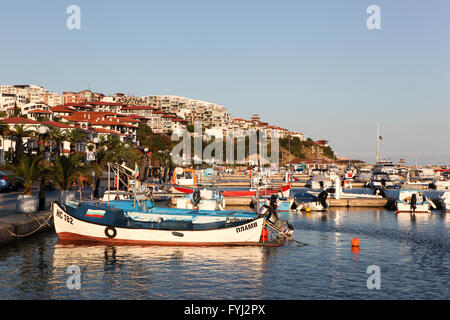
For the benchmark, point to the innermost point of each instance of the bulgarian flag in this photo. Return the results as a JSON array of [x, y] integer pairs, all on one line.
[[95, 213], [136, 170]]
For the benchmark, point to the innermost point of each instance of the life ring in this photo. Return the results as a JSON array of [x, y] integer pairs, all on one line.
[[110, 232]]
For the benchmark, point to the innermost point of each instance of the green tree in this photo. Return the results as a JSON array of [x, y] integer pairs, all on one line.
[[17, 135], [30, 169], [65, 170]]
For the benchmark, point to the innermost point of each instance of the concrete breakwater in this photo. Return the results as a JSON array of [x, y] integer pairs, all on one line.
[[19, 226]]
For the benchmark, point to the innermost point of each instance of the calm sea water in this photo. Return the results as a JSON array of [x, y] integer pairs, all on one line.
[[412, 255]]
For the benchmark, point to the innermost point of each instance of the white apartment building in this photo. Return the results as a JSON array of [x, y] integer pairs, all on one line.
[[210, 114], [10, 100]]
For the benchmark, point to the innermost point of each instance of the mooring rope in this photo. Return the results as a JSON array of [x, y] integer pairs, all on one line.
[[38, 228]]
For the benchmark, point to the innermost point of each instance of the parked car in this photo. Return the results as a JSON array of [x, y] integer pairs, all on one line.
[[4, 183], [13, 182]]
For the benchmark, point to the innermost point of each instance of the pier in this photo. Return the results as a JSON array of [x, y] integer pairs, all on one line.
[[18, 226], [354, 203]]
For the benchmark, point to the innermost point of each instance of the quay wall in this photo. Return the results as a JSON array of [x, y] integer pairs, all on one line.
[[20, 226]]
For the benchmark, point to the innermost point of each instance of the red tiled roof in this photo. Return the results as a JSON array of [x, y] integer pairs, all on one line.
[[104, 103], [14, 120], [39, 111], [139, 108], [57, 124], [62, 108], [103, 130]]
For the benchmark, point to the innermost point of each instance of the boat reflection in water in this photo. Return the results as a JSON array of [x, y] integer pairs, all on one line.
[[143, 272]]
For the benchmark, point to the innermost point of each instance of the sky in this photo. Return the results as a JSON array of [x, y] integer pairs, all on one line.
[[308, 66]]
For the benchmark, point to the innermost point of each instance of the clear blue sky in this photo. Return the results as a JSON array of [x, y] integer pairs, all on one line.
[[310, 66]]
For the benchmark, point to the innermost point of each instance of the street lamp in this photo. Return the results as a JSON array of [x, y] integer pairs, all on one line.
[[43, 130]]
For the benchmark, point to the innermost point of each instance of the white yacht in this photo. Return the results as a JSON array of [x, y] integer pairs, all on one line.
[[444, 201], [442, 180]]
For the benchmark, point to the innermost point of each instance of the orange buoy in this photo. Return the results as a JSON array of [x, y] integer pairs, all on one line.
[[355, 242], [264, 232], [264, 235]]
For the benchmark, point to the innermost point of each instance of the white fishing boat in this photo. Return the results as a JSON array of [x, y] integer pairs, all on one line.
[[202, 199], [319, 181], [363, 175], [444, 201], [413, 201], [336, 192], [184, 177], [381, 180], [101, 223]]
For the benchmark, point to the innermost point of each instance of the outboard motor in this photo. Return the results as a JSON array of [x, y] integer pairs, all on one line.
[[379, 191], [413, 202], [150, 193], [253, 204], [322, 198], [196, 197], [272, 218], [273, 202]]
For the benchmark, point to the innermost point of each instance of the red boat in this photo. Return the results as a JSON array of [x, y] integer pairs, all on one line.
[[283, 191]]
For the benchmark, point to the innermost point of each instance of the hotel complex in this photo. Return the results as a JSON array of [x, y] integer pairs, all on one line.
[[119, 114]]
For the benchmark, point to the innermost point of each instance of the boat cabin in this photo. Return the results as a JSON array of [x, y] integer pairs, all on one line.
[[184, 177]]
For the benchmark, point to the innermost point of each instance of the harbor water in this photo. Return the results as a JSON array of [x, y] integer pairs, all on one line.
[[410, 253]]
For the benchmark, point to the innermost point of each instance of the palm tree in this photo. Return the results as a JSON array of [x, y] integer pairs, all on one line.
[[30, 169], [18, 135], [4, 130], [66, 170], [57, 136], [75, 136]]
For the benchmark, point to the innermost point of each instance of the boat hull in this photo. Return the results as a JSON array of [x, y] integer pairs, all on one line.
[[69, 227], [283, 192], [420, 208]]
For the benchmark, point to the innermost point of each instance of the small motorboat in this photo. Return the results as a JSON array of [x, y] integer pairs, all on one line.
[[382, 180], [319, 181], [444, 201], [278, 204], [320, 204], [203, 199], [284, 191], [413, 201]]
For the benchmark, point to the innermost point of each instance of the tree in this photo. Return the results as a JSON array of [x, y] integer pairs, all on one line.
[[18, 135], [57, 136], [30, 169], [65, 170], [75, 136]]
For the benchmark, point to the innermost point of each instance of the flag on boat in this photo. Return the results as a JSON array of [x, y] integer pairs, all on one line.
[[95, 213], [136, 170]]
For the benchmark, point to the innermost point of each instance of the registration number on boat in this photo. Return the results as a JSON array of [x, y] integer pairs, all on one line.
[[64, 216]]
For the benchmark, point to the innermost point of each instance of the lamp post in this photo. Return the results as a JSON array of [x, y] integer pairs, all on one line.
[[96, 179], [43, 130]]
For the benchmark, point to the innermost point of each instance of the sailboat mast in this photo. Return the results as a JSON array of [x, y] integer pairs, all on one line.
[[378, 141]]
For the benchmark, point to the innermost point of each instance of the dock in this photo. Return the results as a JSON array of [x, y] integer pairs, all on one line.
[[19, 226], [349, 203]]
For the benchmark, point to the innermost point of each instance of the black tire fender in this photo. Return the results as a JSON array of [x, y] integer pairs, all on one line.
[[110, 232]]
